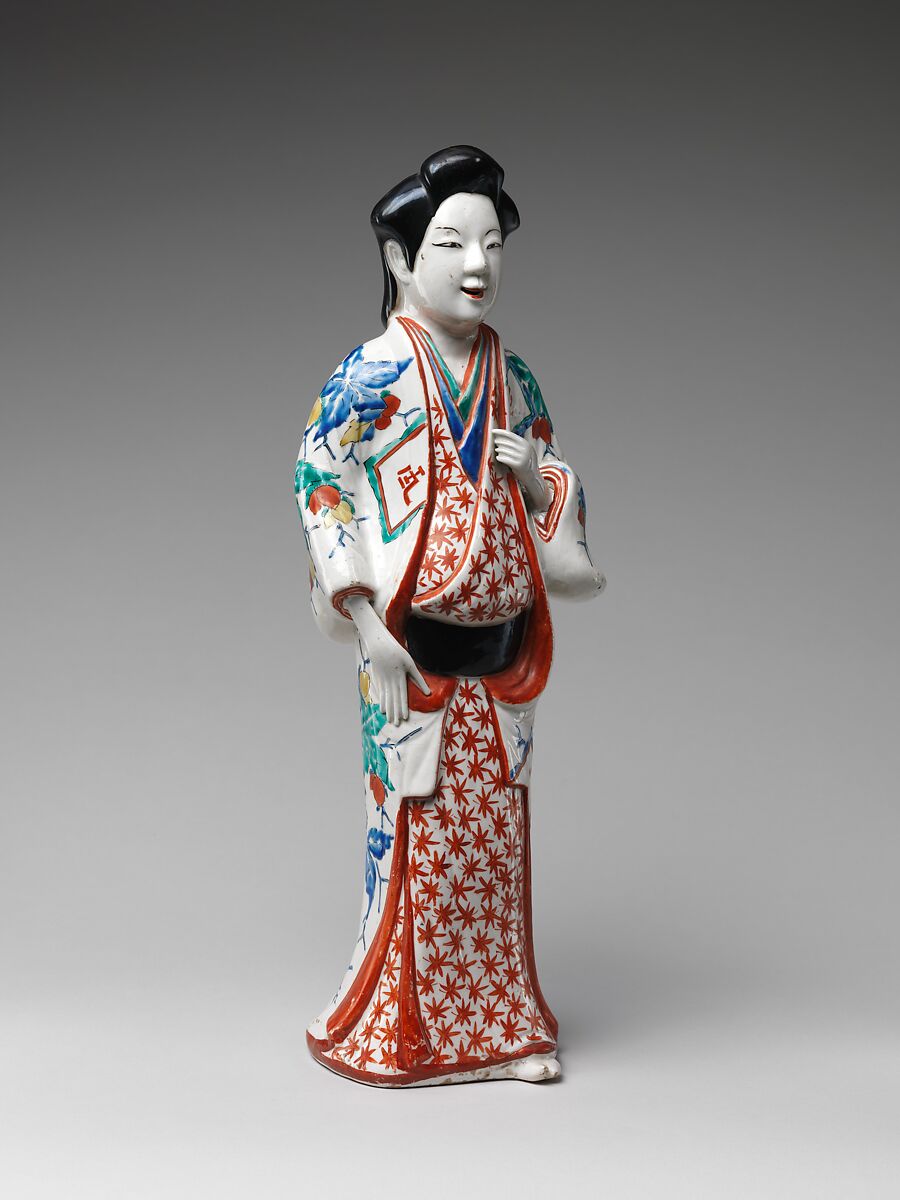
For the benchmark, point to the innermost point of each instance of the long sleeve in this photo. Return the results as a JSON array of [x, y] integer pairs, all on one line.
[[327, 485], [334, 499], [561, 530]]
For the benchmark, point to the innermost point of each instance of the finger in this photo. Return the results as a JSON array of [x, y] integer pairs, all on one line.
[[418, 678], [380, 694], [505, 438], [395, 702]]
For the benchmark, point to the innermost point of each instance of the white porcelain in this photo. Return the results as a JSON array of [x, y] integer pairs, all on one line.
[[434, 493]]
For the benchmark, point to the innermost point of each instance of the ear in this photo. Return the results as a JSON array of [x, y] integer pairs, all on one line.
[[396, 261]]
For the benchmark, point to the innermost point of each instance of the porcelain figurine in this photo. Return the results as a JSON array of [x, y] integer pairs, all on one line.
[[439, 511]]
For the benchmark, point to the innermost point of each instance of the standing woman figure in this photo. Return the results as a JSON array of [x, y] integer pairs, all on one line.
[[438, 511]]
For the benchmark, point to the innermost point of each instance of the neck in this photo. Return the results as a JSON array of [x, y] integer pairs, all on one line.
[[453, 342]]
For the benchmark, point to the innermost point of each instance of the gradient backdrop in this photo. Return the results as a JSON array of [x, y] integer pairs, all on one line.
[[706, 283]]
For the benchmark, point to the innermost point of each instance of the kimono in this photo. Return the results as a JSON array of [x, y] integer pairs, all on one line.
[[402, 501]]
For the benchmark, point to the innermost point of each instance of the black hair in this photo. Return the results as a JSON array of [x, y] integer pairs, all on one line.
[[405, 212]]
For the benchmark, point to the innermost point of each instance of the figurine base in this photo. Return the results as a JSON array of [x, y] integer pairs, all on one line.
[[540, 1066]]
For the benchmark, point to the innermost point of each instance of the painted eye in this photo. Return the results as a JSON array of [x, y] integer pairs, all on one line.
[[448, 245], [494, 245]]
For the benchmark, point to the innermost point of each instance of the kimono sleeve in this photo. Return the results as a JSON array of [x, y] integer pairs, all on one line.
[[561, 530], [328, 483]]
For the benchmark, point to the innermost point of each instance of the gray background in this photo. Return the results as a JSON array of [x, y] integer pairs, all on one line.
[[706, 284]]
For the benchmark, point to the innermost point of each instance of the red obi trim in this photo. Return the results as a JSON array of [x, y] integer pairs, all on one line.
[[526, 678]]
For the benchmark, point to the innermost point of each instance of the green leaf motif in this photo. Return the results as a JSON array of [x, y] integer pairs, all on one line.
[[374, 759], [529, 385], [537, 409], [308, 477]]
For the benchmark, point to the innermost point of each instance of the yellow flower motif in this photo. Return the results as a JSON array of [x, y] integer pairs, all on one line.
[[341, 512], [355, 431], [364, 685], [316, 412]]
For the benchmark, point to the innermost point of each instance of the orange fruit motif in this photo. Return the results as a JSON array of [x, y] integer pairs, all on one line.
[[325, 496], [377, 789]]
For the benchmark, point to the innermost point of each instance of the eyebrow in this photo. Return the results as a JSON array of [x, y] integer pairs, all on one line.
[[447, 229], [493, 231]]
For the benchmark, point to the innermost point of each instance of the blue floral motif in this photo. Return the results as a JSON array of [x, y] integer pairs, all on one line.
[[377, 845], [378, 842], [356, 385]]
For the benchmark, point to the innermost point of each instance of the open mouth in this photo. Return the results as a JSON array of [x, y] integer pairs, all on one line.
[[474, 293]]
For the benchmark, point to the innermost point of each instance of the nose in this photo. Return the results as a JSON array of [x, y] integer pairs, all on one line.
[[475, 262]]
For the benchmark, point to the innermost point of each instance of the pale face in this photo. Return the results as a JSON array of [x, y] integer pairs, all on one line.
[[456, 273]]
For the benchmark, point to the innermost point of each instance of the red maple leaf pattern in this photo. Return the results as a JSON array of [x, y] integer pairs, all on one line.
[[465, 867], [474, 569]]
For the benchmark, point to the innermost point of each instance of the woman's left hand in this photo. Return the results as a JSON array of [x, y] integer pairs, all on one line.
[[520, 456]]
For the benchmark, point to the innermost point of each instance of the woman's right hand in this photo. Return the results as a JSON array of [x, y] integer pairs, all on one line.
[[389, 664]]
